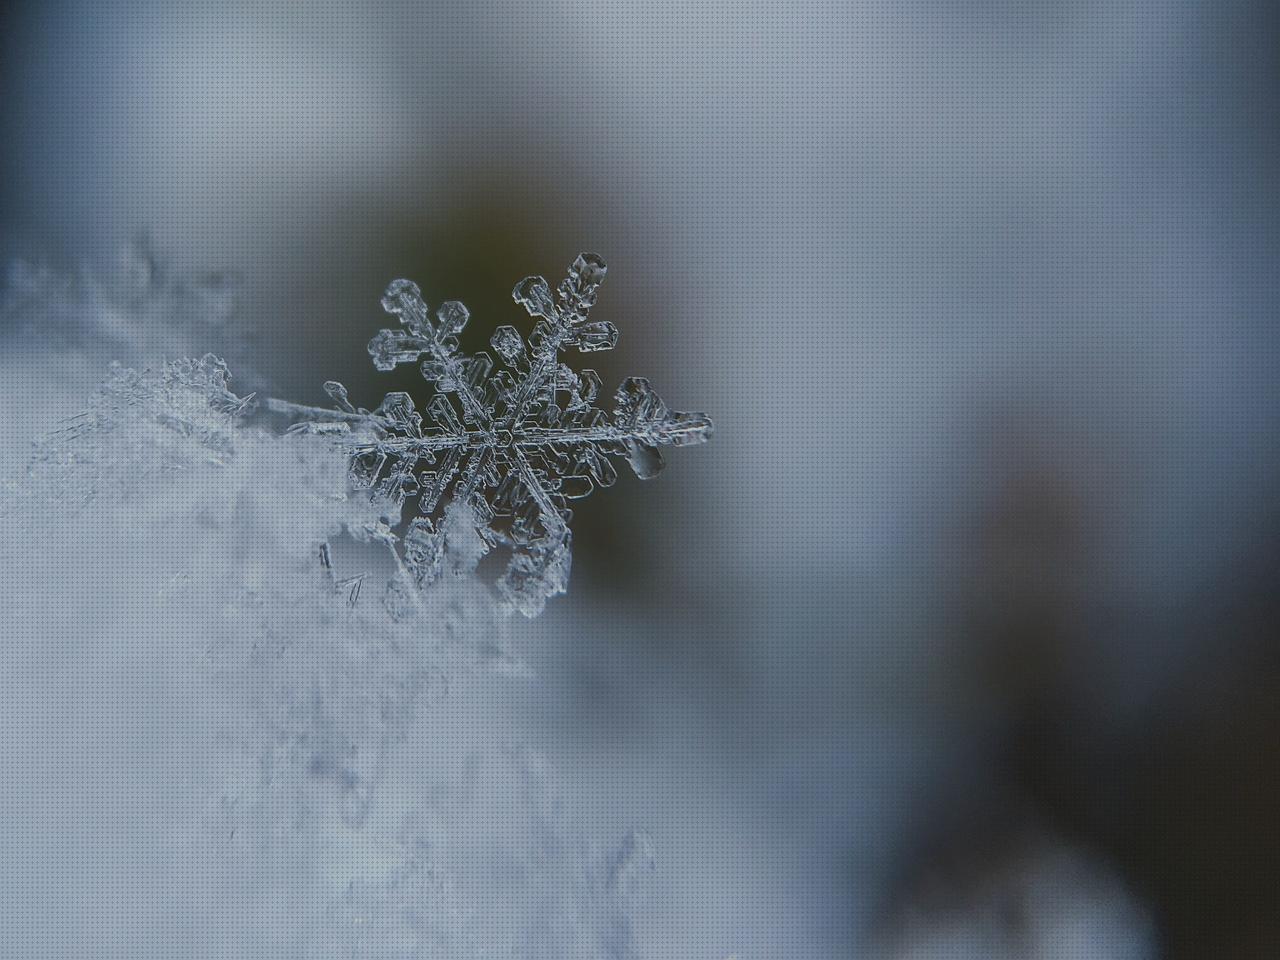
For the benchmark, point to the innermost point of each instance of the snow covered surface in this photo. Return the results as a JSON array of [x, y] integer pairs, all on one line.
[[220, 744]]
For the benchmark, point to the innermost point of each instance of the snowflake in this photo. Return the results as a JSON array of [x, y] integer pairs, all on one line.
[[514, 443]]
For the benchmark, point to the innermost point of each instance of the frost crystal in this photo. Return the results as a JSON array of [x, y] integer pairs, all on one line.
[[515, 442]]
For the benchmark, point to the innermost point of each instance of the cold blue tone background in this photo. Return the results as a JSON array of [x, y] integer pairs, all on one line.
[[976, 584]]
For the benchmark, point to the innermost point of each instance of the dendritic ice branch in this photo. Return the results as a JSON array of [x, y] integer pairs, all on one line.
[[514, 441]]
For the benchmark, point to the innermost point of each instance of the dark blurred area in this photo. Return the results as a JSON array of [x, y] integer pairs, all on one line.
[[960, 638]]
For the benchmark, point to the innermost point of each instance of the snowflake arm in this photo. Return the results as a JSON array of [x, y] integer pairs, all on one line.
[[438, 341]]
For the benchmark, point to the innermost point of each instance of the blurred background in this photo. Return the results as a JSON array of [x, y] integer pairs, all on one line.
[[959, 639]]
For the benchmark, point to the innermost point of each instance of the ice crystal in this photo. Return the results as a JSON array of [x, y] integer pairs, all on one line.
[[515, 441], [140, 427]]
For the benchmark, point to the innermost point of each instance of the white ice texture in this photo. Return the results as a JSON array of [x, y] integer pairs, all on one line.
[[514, 443], [60, 328], [213, 751]]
